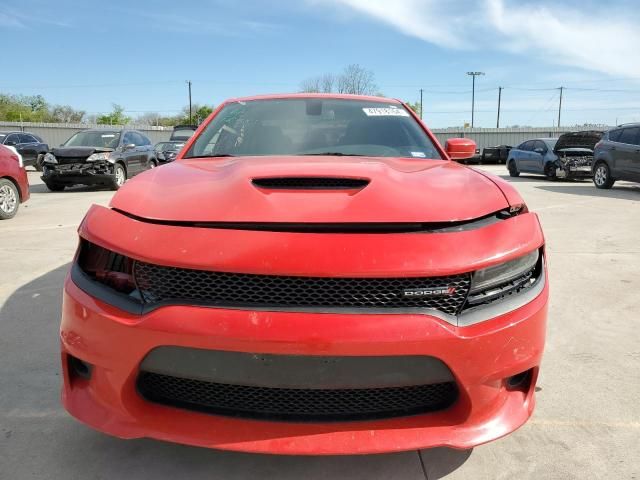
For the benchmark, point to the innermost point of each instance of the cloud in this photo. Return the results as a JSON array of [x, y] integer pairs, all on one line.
[[595, 38], [11, 21]]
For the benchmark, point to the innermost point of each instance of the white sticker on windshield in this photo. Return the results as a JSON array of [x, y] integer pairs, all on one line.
[[418, 154], [385, 112], [107, 136]]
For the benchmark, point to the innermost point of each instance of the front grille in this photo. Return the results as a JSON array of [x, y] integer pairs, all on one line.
[[313, 183], [170, 284], [290, 404]]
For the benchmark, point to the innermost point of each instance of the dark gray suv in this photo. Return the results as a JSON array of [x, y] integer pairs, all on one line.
[[617, 156]]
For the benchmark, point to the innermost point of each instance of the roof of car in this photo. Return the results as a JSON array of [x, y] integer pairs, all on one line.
[[333, 96]]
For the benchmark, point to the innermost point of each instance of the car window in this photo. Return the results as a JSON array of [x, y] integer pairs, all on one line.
[[102, 139], [138, 140], [629, 135], [24, 138], [614, 135], [313, 126], [141, 139], [526, 146], [14, 137], [540, 144], [128, 139]]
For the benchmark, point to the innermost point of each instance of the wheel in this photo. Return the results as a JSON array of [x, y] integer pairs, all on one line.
[[39, 161], [120, 176], [9, 199], [602, 176], [54, 187], [153, 164], [513, 170], [550, 171]]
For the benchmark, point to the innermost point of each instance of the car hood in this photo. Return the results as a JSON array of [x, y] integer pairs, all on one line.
[[78, 152], [398, 190], [582, 140]]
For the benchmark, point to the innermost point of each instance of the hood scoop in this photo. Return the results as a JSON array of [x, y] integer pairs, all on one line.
[[310, 183]]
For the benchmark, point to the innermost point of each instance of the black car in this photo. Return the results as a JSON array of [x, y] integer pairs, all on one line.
[[29, 145], [497, 154], [183, 132], [617, 156], [98, 157], [167, 151]]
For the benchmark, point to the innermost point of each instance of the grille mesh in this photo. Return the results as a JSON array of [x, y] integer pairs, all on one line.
[[330, 183], [165, 284], [295, 404]]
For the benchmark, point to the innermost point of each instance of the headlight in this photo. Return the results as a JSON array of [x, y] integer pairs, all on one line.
[[50, 158], [98, 157], [504, 272]]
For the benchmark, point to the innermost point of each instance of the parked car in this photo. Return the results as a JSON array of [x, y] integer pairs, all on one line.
[[98, 157], [569, 156], [317, 261], [498, 154], [29, 145], [14, 184], [617, 156], [533, 156], [167, 151], [183, 133]]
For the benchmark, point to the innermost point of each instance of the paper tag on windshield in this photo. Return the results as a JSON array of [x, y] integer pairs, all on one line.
[[385, 112], [109, 135], [418, 154]]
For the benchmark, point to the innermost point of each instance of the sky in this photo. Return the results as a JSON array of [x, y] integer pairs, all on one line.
[[90, 54]]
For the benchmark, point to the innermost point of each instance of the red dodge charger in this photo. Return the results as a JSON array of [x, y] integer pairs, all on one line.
[[313, 275]]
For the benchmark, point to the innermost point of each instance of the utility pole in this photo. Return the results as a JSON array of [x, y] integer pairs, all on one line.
[[473, 75], [189, 83], [499, 98], [420, 104], [560, 106]]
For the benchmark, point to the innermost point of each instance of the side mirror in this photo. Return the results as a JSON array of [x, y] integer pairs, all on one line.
[[128, 146], [10, 143], [460, 148]]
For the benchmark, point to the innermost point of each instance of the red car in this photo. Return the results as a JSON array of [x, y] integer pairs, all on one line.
[[312, 275], [14, 184]]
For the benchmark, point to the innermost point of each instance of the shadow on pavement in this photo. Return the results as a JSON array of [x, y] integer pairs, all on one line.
[[42, 188], [624, 191], [38, 439]]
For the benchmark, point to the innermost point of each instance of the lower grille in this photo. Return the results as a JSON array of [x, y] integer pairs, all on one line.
[[291, 404], [158, 283]]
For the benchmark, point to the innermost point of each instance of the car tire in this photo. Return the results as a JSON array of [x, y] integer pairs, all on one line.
[[513, 170], [9, 199], [602, 176], [119, 176], [153, 164], [54, 187], [39, 162], [550, 171]]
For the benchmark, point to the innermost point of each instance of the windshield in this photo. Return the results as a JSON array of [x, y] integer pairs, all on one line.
[[106, 139], [168, 147], [314, 126]]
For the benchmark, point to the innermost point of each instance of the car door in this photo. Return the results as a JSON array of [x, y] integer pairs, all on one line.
[[525, 157], [625, 153], [130, 154], [28, 148], [635, 160], [539, 156], [146, 151]]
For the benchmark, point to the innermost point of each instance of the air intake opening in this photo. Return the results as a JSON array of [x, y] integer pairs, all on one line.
[[310, 183]]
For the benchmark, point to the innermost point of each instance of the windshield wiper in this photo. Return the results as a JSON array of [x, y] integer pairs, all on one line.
[[222, 155], [334, 154]]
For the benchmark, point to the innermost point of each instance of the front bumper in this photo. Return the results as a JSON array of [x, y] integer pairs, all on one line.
[[96, 173], [481, 358]]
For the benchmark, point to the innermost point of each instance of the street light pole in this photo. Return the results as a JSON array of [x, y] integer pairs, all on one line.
[[189, 83], [499, 98], [420, 104], [473, 75]]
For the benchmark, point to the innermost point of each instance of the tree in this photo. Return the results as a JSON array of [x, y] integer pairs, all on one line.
[[357, 81], [354, 79], [65, 114], [415, 107], [116, 117]]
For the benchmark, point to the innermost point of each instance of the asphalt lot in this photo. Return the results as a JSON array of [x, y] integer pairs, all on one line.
[[587, 421]]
